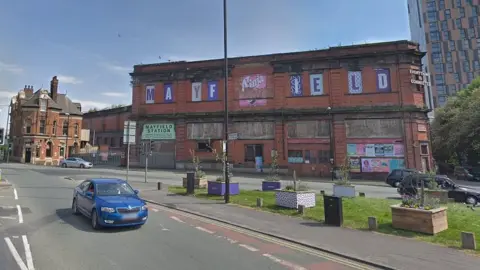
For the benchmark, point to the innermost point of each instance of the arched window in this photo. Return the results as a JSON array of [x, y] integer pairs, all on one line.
[[65, 128], [48, 151]]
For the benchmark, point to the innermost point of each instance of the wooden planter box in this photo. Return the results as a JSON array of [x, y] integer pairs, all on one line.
[[343, 191], [419, 220], [199, 182], [292, 199], [441, 195]]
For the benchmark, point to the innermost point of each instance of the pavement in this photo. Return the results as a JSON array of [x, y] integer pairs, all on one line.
[[40, 232], [384, 251]]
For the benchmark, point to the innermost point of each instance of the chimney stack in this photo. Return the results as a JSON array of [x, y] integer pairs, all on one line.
[[28, 90], [54, 88]]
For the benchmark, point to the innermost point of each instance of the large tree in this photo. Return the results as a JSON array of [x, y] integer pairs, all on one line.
[[456, 128]]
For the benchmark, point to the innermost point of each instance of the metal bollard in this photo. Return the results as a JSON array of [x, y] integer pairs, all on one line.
[[301, 209], [259, 202], [159, 185], [372, 223]]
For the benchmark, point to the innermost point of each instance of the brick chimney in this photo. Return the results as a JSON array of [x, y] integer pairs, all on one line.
[[28, 89], [54, 88]]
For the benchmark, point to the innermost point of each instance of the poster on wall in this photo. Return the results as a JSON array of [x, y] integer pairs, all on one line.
[[253, 91], [355, 165], [375, 150], [381, 164]]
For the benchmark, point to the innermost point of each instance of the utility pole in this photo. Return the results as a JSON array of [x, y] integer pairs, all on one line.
[[128, 149], [147, 150], [7, 130], [66, 154], [225, 124]]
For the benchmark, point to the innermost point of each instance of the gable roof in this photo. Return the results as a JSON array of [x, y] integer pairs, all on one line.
[[63, 103]]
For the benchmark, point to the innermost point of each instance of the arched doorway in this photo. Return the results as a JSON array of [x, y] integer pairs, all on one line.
[[49, 149]]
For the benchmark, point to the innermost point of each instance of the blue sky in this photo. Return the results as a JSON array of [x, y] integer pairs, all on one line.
[[92, 45]]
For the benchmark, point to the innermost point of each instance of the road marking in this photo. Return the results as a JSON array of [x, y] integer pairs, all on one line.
[[155, 210], [15, 254], [204, 230], [177, 219], [20, 216], [284, 263], [15, 193], [28, 253], [248, 247], [273, 240], [8, 217], [163, 228]]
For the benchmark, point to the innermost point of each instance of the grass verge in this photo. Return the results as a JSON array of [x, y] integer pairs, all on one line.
[[356, 212]]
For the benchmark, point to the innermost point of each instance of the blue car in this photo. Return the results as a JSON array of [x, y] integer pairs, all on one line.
[[109, 203]]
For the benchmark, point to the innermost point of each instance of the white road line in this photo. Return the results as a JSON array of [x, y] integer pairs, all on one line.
[[155, 210], [8, 217], [20, 216], [15, 254], [177, 219], [28, 253], [204, 230], [249, 247], [284, 263], [15, 193]]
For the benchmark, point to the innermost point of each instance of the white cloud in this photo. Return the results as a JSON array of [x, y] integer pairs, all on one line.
[[68, 80], [7, 94], [114, 94], [10, 68], [117, 68], [88, 104]]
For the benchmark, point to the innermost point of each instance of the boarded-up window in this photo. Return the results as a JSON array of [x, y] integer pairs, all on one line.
[[374, 128], [202, 131], [254, 130], [309, 129]]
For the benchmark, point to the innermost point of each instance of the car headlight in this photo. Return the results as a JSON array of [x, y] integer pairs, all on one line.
[[144, 207], [107, 209]]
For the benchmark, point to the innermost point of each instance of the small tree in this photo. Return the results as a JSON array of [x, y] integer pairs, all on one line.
[[344, 173], [273, 175], [199, 173], [221, 158]]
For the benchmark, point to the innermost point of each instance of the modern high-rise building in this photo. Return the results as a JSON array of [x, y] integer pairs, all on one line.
[[449, 31]]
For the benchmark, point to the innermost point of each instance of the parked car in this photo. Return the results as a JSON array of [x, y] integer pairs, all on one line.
[[394, 178], [109, 203], [75, 162], [412, 183]]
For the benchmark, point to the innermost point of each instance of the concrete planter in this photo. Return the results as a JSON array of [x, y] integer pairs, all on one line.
[[441, 195], [419, 220], [271, 185], [292, 199], [200, 182], [343, 191], [218, 188]]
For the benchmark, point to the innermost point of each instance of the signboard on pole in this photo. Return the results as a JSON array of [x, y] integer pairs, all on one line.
[[129, 130], [232, 136]]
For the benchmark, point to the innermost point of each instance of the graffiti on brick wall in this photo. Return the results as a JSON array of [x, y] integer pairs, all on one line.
[[308, 129], [373, 128], [253, 90], [202, 131], [254, 130]]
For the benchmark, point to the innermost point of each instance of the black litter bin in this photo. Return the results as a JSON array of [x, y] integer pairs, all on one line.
[[190, 182], [333, 210]]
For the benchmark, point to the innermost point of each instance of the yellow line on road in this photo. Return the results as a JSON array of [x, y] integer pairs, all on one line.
[[283, 243]]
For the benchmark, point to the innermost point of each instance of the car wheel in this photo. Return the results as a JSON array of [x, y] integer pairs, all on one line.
[[82, 166], [471, 200], [74, 207], [95, 224], [396, 184], [64, 165]]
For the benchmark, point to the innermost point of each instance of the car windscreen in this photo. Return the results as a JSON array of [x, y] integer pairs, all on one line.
[[113, 189]]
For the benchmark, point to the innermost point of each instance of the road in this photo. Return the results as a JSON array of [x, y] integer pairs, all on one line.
[[40, 232], [174, 178]]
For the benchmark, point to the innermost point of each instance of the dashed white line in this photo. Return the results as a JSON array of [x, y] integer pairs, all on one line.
[[284, 263], [248, 247], [15, 254], [204, 230], [15, 193], [20, 215], [177, 219], [155, 209], [28, 253]]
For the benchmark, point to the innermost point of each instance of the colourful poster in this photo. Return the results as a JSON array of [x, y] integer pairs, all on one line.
[[351, 149], [370, 150], [375, 165], [361, 149], [398, 150], [379, 151], [397, 164], [253, 90], [388, 150], [355, 165]]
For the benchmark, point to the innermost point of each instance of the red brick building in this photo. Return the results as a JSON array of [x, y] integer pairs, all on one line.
[[288, 103], [106, 126], [45, 126]]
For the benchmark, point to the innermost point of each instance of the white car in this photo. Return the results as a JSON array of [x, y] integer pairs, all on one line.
[[74, 162]]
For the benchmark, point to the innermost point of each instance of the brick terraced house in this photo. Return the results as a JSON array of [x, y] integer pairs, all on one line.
[[45, 126], [312, 107]]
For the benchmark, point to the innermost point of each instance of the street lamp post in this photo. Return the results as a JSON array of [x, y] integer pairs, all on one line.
[[66, 138], [225, 124]]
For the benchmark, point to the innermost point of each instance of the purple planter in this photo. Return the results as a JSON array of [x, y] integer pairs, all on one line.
[[271, 185], [218, 188]]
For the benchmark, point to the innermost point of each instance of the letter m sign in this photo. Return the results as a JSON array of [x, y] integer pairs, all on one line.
[[150, 94]]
